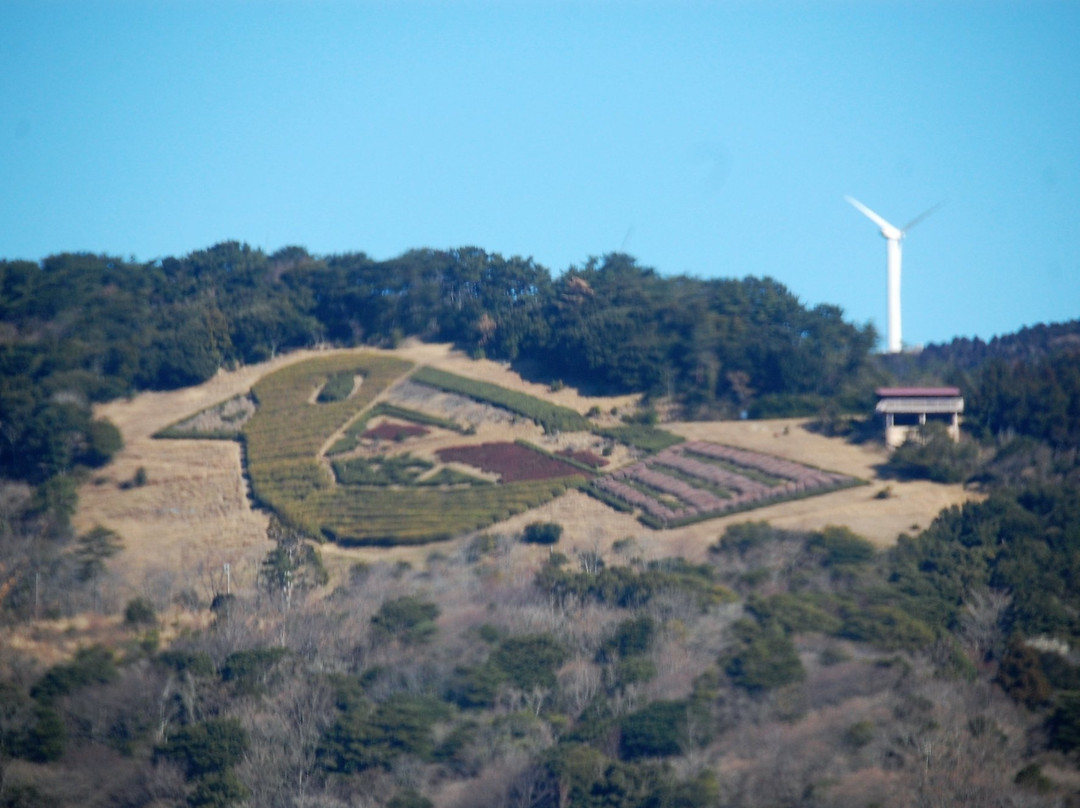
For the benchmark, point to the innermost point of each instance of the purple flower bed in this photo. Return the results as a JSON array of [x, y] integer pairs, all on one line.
[[691, 461]]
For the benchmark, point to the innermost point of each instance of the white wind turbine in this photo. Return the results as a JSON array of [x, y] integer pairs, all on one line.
[[893, 235]]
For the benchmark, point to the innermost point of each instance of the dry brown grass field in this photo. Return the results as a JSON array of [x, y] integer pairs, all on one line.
[[194, 515]]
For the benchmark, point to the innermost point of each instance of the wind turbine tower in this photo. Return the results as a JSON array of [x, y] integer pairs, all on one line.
[[893, 235]]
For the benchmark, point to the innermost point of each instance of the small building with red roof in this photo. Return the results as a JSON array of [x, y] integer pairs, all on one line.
[[905, 409]]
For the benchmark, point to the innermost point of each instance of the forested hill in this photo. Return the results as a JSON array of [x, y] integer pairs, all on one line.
[[1028, 344], [1026, 383], [964, 357], [175, 321], [80, 328], [787, 668]]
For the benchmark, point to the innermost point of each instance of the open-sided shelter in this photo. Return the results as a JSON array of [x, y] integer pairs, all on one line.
[[905, 409]]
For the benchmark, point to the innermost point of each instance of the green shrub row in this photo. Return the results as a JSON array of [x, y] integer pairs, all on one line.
[[612, 501], [416, 515], [417, 417], [641, 436], [396, 470], [278, 483], [750, 473]]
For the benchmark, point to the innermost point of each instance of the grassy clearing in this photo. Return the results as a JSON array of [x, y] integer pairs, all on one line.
[[203, 481], [384, 500]]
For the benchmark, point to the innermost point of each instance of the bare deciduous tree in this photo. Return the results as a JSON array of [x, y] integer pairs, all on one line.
[[980, 622]]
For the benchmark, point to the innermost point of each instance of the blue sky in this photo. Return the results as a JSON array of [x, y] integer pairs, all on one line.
[[715, 139]]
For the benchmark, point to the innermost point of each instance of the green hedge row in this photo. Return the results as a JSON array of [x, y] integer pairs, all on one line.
[[641, 436], [552, 417]]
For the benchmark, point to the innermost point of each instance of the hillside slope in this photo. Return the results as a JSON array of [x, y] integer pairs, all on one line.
[[194, 514]]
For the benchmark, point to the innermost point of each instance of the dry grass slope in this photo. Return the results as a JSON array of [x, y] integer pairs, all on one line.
[[195, 513]]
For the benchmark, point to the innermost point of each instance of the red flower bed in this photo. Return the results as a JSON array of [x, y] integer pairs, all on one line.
[[511, 461], [388, 430], [585, 458]]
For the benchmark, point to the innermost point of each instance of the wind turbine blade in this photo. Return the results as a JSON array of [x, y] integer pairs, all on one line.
[[869, 214], [921, 216]]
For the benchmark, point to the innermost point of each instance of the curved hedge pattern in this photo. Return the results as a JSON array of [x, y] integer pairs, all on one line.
[[289, 432]]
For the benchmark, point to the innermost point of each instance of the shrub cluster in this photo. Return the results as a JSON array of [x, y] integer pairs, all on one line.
[[542, 533]]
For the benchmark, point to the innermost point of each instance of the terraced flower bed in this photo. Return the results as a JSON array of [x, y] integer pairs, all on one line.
[[511, 461], [701, 480]]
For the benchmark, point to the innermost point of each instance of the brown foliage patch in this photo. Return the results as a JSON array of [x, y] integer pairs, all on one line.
[[391, 430]]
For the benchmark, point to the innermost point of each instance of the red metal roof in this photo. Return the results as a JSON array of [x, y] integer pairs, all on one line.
[[917, 392]]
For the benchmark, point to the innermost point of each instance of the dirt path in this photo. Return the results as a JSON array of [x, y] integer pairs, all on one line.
[[193, 515]]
